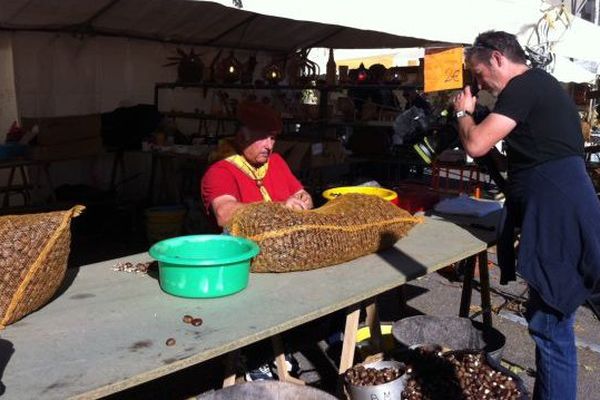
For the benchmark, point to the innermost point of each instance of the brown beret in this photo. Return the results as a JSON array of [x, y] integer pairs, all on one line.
[[259, 117]]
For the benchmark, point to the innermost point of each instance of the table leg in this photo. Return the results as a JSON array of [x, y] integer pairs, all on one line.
[[230, 362], [118, 162], [349, 344], [484, 279], [52, 193], [374, 325], [402, 308], [11, 176], [150, 193], [282, 371], [465, 301], [26, 186]]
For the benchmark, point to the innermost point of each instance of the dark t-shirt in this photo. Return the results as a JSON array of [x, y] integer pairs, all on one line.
[[548, 125]]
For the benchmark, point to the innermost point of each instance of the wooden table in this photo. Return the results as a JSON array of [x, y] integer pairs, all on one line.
[[24, 187], [106, 332]]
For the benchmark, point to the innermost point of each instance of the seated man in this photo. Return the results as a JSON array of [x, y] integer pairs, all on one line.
[[253, 172]]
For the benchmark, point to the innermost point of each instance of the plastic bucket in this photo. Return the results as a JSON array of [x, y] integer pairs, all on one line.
[[363, 339], [385, 194], [204, 266], [164, 222], [455, 333]]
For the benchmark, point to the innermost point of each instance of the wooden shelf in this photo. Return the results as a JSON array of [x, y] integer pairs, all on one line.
[[323, 88], [173, 85], [329, 122]]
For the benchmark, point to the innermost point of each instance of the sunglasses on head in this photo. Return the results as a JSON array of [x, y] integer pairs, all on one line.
[[484, 45]]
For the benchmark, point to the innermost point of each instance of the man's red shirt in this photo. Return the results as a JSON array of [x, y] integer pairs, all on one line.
[[225, 178]]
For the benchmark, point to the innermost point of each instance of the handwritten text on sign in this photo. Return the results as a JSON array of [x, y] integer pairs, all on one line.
[[443, 69]]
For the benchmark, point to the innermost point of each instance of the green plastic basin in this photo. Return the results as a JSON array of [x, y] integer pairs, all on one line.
[[203, 266]]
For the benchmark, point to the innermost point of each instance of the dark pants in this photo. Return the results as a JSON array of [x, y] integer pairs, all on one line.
[[555, 351]]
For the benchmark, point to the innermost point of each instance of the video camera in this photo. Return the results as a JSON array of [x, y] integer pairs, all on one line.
[[432, 136]]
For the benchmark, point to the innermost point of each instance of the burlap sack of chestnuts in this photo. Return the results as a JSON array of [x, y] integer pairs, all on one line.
[[345, 228], [34, 250]]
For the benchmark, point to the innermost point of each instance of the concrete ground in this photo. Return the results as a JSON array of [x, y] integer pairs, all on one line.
[[443, 298]]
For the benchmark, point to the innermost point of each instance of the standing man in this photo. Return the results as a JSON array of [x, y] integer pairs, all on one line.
[[549, 197], [252, 173]]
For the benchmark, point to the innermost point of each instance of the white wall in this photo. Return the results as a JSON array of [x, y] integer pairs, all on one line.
[[58, 75], [8, 99]]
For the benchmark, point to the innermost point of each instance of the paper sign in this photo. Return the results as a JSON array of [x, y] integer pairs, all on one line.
[[443, 69]]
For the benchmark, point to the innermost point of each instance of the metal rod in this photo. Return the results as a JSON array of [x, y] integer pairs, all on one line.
[[100, 12], [72, 30]]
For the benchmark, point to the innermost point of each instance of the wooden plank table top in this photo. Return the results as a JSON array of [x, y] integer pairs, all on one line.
[[107, 331]]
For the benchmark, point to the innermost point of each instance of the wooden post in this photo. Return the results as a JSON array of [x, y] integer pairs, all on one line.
[[349, 344], [374, 325], [279, 352], [230, 361]]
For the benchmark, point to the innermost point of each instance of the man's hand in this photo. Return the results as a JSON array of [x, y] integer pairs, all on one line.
[[464, 101], [300, 200], [303, 196]]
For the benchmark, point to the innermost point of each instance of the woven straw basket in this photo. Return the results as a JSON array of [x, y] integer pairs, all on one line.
[[34, 249]]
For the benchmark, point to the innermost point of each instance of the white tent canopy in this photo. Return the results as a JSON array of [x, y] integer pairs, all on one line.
[[536, 23], [283, 26], [200, 23]]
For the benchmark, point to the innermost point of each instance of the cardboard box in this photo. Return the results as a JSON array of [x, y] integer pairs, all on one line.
[[331, 153], [302, 153], [295, 153], [65, 151], [64, 130], [60, 138]]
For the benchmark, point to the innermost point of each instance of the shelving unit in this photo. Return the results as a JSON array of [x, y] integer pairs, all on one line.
[[319, 121], [324, 91], [323, 88]]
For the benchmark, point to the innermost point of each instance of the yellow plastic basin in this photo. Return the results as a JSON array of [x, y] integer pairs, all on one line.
[[385, 194], [363, 335]]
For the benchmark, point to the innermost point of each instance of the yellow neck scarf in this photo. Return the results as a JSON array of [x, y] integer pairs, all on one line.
[[257, 174]]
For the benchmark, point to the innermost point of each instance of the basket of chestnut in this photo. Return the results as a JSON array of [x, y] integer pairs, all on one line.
[[377, 380], [458, 375]]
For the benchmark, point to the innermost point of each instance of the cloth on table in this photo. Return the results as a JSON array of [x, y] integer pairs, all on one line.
[[465, 205]]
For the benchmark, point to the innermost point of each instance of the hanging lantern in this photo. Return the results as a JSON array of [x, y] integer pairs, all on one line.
[[362, 74], [231, 69], [273, 74], [396, 74]]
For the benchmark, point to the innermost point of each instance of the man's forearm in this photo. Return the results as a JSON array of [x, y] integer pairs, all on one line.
[[224, 212], [465, 132]]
